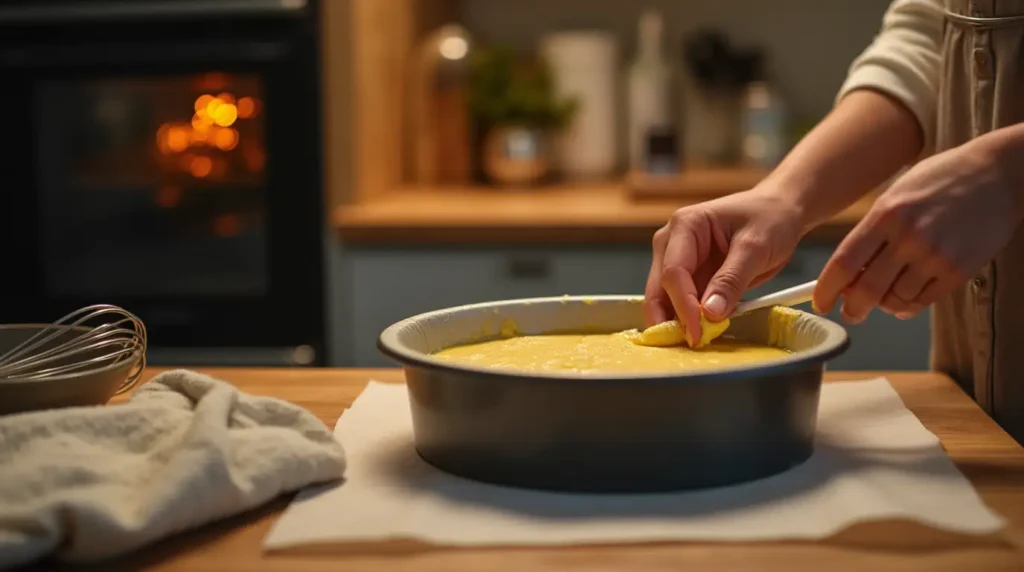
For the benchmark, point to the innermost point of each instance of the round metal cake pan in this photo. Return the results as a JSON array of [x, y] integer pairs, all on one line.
[[623, 433]]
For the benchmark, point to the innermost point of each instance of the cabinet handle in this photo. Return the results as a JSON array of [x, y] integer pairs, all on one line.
[[528, 268]]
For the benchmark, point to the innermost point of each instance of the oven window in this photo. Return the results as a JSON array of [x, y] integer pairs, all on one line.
[[153, 187]]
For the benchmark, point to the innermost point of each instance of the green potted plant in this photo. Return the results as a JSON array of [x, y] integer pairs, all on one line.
[[513, 101]]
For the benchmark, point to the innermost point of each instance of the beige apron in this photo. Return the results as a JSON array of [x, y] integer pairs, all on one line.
[[978, 331]]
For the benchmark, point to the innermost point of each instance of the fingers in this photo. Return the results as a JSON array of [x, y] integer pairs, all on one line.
[[895, 258], [933, 289], [873, 283], [745, 258], [657, 305], [900, 308], [846, 264], [678, 265], [939, 279], [902, 298], [911, 283], [939, 287]]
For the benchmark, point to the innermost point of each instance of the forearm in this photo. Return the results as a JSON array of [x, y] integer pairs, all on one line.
[[866, 139], [1003, 149]]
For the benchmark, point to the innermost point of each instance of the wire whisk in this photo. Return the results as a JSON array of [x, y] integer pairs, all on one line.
[[71, 345]]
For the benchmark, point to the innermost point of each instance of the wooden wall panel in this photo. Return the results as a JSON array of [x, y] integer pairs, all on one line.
[[336, 98], [383, 34]]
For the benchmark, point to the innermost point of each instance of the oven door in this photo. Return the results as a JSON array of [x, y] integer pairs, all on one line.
[[171, 169]]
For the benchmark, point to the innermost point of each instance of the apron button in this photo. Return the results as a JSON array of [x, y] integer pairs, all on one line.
[[978, 283]]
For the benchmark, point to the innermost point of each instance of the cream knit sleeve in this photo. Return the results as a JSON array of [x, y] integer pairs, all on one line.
[[904, 61]]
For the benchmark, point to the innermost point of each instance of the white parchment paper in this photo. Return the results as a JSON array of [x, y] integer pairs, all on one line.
[[874, 460]]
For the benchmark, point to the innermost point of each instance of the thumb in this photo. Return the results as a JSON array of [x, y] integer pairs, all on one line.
[[742, 264]]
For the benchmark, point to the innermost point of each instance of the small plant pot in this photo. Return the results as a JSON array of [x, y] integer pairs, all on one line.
[[516, 156]]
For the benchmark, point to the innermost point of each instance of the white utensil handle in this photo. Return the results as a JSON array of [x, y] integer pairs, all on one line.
[[788, 297]]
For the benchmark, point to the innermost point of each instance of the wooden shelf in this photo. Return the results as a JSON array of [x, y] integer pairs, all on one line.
[[696, 183], [367, 158], [598, 214]]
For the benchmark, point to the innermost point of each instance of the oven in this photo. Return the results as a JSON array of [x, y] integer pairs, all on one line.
[[164, 156]]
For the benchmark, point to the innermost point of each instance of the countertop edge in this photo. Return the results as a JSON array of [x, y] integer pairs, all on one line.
[[530, 219]]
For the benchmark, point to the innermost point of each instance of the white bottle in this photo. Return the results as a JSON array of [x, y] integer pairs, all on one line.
[[584, 66], [649, 84]]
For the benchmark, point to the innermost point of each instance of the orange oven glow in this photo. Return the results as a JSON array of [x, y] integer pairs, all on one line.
[[151, 170], [213, 128]]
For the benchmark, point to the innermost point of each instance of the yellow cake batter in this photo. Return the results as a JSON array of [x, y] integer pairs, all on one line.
[[656, 349]]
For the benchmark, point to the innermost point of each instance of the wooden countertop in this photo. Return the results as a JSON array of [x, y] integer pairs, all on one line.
[[597, 214], [984, 453]]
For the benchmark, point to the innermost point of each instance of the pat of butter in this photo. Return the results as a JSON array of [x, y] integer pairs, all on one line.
[[781, 325], [673, 333]]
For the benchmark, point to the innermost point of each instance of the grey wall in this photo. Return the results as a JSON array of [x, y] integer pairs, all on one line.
[[811, 42]]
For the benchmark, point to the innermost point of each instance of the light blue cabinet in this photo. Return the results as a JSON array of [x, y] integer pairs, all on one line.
[[385, 284]]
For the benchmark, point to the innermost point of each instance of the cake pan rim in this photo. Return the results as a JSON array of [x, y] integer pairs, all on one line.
[[837, 341]]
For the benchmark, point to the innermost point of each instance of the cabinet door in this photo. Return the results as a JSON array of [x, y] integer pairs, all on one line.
[[390, 284]]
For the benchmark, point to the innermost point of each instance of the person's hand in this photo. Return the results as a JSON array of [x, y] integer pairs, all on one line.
[[925, 235], [709, 254]]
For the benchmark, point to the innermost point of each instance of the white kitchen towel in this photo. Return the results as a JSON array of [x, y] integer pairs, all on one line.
[[86, 483], [874, 460]]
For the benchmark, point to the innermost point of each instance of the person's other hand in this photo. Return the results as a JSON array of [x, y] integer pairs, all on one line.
[[710, 253], [925, 235]]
